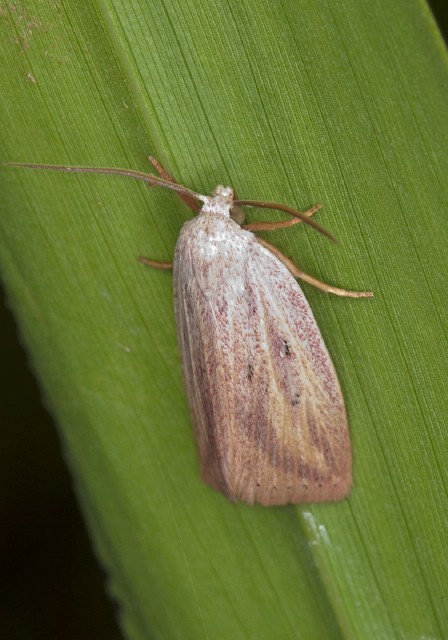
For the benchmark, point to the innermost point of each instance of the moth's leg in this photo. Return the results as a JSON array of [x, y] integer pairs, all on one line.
[[188, 201], [298, 273], [161, 171], [282, 224], [155, 264]]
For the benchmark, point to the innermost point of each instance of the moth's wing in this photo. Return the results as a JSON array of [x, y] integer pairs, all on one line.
[[267, 409]]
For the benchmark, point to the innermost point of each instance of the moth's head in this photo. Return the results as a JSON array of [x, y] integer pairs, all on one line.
[[224, 192], [229, 194]]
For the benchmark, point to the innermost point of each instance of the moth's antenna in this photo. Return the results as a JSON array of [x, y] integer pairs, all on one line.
[[146, 177], [290, 210]]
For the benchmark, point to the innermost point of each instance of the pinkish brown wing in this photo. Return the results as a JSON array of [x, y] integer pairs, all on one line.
[[267, 409]]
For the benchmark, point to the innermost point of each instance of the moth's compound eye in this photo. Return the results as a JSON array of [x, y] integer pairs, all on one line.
[[237, 214]]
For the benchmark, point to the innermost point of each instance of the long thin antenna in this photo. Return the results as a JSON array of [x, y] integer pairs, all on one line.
[[292, 212], [128, 173]]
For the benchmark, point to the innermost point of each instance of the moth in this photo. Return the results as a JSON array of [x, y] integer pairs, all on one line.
[[267, 409]]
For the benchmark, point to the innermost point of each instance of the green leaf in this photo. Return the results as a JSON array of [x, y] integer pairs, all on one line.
[[300, 102]]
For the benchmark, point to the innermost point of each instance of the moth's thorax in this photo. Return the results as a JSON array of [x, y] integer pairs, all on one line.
[[212, 248], [220, 203]]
